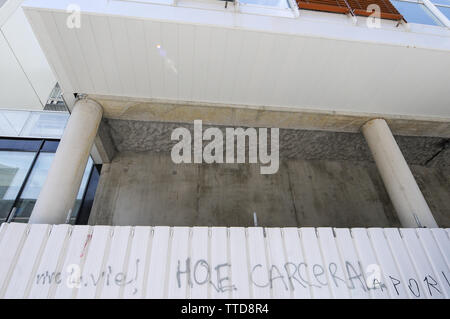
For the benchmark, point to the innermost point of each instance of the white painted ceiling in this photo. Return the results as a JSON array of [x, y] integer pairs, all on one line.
[[144, 57]]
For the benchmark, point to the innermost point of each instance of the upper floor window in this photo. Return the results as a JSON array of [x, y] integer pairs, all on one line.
[[416, 12], [443, 6], [281, 4], [32, 124]]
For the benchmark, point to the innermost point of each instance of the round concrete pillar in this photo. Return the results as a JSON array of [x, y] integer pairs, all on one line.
[[63, 181], [408, 200]]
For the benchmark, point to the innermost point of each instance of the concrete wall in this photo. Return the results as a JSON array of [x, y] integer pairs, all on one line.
[[325, 179], [146, 188], [140, 136]]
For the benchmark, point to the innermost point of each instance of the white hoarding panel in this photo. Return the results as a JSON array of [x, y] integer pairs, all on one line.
[[63, 261]]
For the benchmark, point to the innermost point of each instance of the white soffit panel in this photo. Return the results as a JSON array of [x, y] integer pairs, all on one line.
[[243, 59], [62, 261], [23, 43], [16, 91], [7, 9]]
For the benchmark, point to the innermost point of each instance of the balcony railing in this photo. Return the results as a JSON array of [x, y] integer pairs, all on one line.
[[353, 7]]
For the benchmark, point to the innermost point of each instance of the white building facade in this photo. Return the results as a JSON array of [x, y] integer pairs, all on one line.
[[358, 92]]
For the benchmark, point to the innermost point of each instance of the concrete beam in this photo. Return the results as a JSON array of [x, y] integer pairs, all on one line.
[[124, 108], [103, 150]]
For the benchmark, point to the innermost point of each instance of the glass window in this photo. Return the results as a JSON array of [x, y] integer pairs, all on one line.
[[416, 12], [6, 128], [79, 199], [24, 166], [13, 170], [33, 124], [34, 184], [12, 144], [445, 11], [443, 2], [282, 4], [33, 187], [12, 122], [45, 124]]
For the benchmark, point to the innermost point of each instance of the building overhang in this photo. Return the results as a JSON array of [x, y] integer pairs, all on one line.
[[160, 110], [190, 56]]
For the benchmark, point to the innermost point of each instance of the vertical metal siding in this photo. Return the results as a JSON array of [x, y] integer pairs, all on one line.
[[62, 261]]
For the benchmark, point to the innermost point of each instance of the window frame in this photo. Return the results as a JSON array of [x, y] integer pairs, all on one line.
[[420, 2], [439, 6], [47, 145]]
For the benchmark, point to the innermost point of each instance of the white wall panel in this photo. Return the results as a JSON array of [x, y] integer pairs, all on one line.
[[259, 269], [431, 282], [10, 247], [370, 264], [239, 267], [26, 78], [137, 264], [440, 235], [138, 49], [72, 46], [281, 63], [169, 54], [333, 261], [72, 264], [34, 244], [62, 261], [105, 51], [122, 53], [180, 265], [388, 268], [353, 267], [277, 259], [410, 278], [199, 257], [117, 258], [16, 91], [159, 262], [91, 277], [42, 279], [92, 59], [221, 286], [435, 258], [29, 55], [317, 277], [201, 40], [215, 61], [296, 264]]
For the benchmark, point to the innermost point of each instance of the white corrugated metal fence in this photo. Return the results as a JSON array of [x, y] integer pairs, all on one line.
[[63, 261]]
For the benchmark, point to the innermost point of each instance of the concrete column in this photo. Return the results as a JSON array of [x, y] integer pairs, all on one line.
[[408, 200], [60, 189]]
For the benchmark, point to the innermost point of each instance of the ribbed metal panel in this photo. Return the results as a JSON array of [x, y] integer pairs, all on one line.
[[63, 261]]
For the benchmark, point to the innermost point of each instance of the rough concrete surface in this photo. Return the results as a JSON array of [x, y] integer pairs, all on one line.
[[325, 179], [302, 144], [145, 188], [158, 110]]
